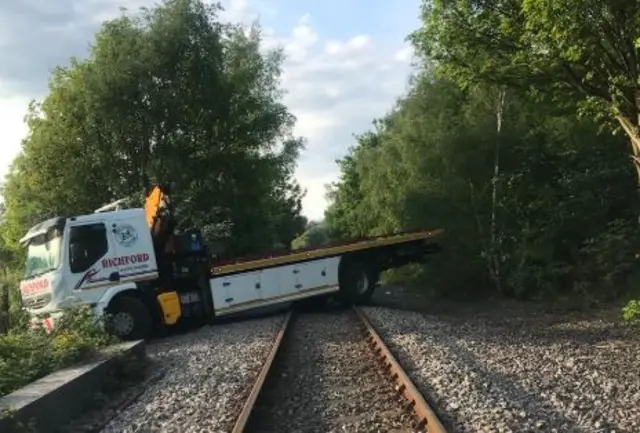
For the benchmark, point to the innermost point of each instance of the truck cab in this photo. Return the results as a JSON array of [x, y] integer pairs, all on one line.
[[129, 264], [85, 260]]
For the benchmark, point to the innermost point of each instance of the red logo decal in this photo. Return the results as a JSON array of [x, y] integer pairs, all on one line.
[[90, 274], [34, 287], [125, 260]]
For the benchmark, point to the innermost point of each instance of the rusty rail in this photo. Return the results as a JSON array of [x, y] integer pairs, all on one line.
[[243, 418], [427, 418]]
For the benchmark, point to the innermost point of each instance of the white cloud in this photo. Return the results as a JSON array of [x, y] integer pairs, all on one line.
[[335, 85], [404, 54], [349, 47], [315, 186], [313, 124], [12, 112], [302, 38]]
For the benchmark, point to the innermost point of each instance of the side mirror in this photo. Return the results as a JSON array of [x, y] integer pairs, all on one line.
[[114, 276]]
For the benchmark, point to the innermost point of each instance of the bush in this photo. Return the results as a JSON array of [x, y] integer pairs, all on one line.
[[29, 354], [9, 300], [315, 236], [631, 312]]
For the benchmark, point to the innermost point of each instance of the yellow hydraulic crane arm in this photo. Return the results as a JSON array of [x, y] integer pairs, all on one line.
[[159, 217]]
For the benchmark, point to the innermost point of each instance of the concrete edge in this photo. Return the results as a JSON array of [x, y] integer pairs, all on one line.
[[54, 400]]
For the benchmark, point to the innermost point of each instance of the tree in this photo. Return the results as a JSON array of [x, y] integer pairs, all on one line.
[[577, 49], [558, 217], [170, 95], [349, 216], [314, 236]]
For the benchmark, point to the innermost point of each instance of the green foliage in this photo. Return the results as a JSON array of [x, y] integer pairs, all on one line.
[[631, 311], [505, 141], [27, 354], [579, 46], [576, 49], [582, 51], [170, 95], [565, 206], [11, 314], [350, 216], [316, 235]]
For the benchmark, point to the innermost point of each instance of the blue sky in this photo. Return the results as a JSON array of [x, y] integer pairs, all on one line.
[[344, 18], [347, 62]]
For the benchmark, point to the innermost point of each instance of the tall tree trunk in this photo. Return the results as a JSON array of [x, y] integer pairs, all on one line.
[[495, 249], [5, 304], [632, 131]]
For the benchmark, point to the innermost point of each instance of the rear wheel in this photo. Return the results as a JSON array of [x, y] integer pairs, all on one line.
[[129, 319], [357, 284]]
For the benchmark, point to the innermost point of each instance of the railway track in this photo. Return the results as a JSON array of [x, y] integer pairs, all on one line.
[[332, 372], [500, 376]]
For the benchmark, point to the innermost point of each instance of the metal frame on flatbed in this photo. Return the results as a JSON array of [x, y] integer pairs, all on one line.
[[321, 252]]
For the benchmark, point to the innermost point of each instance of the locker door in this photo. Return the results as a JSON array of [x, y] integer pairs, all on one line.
[[311, 276], [242, 288], [271, 283]]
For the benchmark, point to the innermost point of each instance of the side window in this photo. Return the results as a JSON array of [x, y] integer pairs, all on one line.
[[87, 245]]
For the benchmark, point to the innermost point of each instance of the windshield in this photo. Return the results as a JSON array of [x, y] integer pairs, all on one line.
[[43, 254]]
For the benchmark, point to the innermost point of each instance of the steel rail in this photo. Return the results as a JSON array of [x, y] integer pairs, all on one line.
[[427, 417], [244, 415]]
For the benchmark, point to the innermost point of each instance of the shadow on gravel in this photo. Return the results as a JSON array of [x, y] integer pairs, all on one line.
[[187, 328], [550, 332], [607, 333], [508, 389]]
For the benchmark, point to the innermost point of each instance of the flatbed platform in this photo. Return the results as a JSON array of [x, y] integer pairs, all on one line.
[[282, 258]]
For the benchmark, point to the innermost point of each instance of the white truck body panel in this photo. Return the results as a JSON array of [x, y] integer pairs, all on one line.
[[285, 283]]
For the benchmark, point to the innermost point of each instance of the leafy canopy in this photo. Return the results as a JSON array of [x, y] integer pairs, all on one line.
[[168, 95], [576, 49]]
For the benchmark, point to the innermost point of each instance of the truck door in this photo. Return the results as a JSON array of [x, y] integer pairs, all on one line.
[[133, 257], [88, 246]]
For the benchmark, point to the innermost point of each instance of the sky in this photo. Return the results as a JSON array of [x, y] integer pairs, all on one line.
[[347, 62]]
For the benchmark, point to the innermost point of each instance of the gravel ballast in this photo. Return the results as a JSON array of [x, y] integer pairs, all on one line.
[[519, 375], [326, 379], [207, 375]]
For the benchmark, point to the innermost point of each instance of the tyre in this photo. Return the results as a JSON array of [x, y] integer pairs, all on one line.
[[129, 319], [357, 284]]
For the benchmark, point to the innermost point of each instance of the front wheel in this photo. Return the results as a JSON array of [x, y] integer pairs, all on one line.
[[129, 319], [357, 284]]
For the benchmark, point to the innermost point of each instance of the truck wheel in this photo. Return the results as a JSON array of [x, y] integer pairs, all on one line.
[[129, 319], [357, 284]]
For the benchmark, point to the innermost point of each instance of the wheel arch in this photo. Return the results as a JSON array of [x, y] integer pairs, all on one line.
[[129, 290], [361, 261], [368, 259]]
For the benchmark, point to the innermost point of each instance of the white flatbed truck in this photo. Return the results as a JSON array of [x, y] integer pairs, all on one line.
[[133, 266]]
